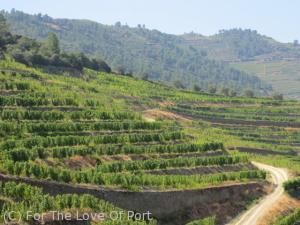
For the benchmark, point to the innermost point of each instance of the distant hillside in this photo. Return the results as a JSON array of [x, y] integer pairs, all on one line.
[[143, 52], [242, 45], [274, 62]]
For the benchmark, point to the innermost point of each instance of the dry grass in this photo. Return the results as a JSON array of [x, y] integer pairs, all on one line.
[[292, 129], [77, 162], [167, 103], [283, 207]]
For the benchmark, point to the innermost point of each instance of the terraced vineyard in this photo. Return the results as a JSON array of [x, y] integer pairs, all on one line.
[[269, 124], [262, 128], [117, 134]]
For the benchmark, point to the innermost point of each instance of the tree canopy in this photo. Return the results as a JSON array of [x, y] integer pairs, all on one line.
[[47, 53]]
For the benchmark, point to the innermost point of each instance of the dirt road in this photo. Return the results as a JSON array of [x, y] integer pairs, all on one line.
[[251, 216]]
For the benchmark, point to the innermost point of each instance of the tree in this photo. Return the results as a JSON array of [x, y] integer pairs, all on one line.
[[232, 93], [120, 70], [249, 93], [145, 76], [212, 89], [179, 84], [3, 25], [129, 74], [278, 96], [52, 44], [197, 88], [27, 44], [225, 91], [5, 36], [31, 52], [296, 43], [118, 24], [100, 65]]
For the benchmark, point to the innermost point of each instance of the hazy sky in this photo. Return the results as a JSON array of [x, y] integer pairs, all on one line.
[[276, 18]]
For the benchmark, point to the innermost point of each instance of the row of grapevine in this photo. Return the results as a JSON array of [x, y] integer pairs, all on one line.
[[232, 115], [103, 115], [153, 164], [20, 86], [8, 128], [31, 101], [18, 114], [23, 154], [125, 180], [132, 149], [87, 140]]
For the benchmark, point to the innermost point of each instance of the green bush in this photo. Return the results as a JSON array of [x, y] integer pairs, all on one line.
[[293, 184]]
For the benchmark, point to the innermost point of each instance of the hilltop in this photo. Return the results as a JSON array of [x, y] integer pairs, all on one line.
[[243, 45], [145, 53]]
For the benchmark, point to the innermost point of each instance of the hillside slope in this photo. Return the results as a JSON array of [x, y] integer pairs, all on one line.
[[146, 53], [242, 45], [274, 62], [92, 131], [283, 75]]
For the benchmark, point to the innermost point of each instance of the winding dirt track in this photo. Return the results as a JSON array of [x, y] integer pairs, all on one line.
[[252, 216]]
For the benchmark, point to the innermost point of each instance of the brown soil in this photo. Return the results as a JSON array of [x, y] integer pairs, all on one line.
[[260, 151], [166, 103], [9, 92], [118, 158], [292, 129], [77, 162], [203, 170], [175, 155], [158, 113], [224, 105], [48, 162], [243, 122]]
